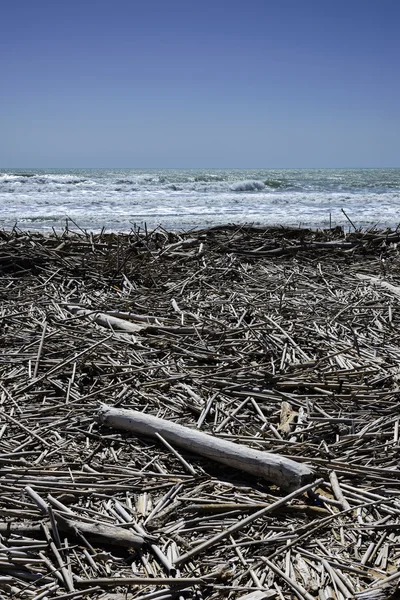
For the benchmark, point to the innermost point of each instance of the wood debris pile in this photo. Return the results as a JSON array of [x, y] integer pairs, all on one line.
[[280, 340]]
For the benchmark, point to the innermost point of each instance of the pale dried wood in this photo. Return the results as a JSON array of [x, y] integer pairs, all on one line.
[[281, 471]]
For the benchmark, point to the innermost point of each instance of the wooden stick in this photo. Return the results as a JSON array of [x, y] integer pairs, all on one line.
[[147, 581], [40, 349], [107, 320], [107, 534], [279, 470], [338, 491]]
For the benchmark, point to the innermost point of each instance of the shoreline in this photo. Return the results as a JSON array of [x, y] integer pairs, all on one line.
[[348, 225]]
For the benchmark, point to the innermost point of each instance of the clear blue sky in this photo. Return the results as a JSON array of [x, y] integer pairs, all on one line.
[[190, 83]]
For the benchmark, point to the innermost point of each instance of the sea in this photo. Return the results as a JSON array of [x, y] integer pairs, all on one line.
[[119, 200]]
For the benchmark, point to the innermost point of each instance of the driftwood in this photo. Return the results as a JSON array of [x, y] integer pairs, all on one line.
[[125, 322], [98, 532], [282, 471], [139, 581], [394, 289], [94, 532], [108, 321], [292, 349]]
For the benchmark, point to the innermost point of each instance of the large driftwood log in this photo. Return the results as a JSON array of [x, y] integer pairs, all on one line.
[[282, 471]]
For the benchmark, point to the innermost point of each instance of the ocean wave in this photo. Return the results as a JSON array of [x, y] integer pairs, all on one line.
[[208, 178], [19, 174], [35, 179], [60, 179], [247, 186], [275, 183], [14, 178]]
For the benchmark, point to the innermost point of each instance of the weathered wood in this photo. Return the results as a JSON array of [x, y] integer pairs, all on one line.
[[241, 523], [226, 339], [142, 581], [95, 532], [393, 289], [282, 471], [98, 532], [107, 320]]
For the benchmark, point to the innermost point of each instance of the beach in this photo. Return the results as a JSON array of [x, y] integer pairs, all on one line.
[[278, 340]]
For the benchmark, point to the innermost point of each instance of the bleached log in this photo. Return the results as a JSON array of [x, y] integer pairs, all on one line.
[[95, 532], [394, 289], [107, 320], [121, 323], [98, 532], [277, 469]]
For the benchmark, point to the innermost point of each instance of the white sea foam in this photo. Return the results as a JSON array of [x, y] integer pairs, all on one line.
[[247, 186], [118, 198]]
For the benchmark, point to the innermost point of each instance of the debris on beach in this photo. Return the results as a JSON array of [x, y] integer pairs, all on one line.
[[133, 364]]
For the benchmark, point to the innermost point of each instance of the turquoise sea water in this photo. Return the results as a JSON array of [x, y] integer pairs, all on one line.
[[119, 199]]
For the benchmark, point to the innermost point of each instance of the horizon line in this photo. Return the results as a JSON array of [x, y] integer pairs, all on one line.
[[200, 168]]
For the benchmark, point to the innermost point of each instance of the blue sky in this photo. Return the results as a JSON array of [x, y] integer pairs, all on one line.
[[185, 84]]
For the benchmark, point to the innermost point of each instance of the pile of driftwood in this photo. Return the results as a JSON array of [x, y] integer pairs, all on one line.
[[199, 415]]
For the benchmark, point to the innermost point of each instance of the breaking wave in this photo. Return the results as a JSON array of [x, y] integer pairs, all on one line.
[[274, 183], [247, 186]]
